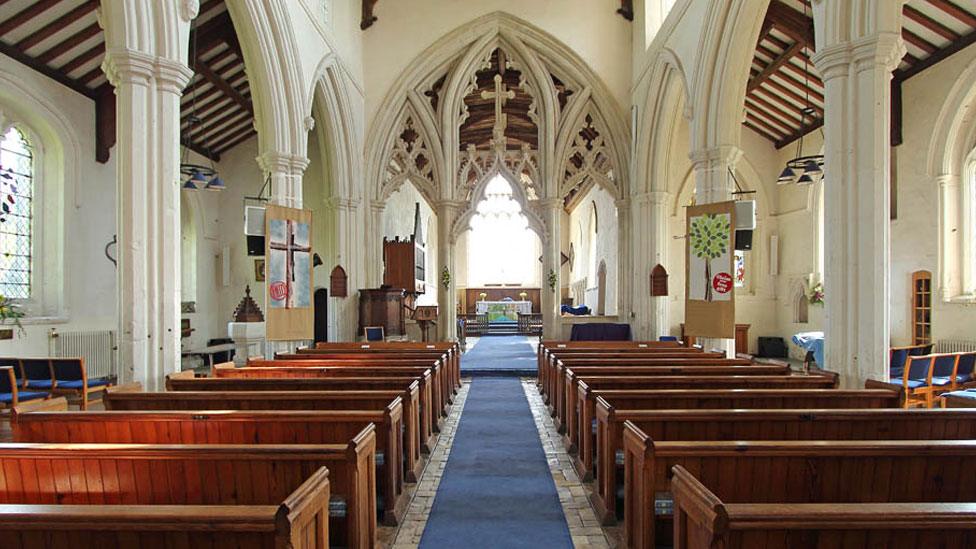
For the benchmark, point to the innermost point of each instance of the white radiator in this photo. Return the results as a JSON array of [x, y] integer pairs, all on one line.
[[97, 348], [954, 346]]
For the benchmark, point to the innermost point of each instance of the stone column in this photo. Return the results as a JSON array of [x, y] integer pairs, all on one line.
[[447, 213], [714, 184], [650, 245], [285, 171], [374, 246], [551, 210], [625, 263], [349, 253], [857, 80], [148, 91]]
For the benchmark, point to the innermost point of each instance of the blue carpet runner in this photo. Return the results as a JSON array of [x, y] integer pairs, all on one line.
[[501, 353], [496, 490]]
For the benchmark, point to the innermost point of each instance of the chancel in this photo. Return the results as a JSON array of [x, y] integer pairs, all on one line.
[[496, 273]]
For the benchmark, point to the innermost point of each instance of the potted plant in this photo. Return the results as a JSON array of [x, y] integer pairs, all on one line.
[[816, 294], [11, 313]]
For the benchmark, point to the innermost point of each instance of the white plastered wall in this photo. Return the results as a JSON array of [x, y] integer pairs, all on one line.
[[87, 278]]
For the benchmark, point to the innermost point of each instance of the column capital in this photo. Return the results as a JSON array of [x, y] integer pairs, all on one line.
[[652, 197], [549, 203], [947, 180], [707, 159], [450, 205], [172, 76], [280, 163], [622, 204], [343, 203], [883, 50], [131, 66], [128, 66], [377, 207], [833, 60]]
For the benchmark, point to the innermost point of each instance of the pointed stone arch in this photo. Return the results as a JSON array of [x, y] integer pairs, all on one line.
[[462, 222]]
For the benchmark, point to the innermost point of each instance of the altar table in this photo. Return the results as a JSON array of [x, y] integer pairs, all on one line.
[[503, 311]]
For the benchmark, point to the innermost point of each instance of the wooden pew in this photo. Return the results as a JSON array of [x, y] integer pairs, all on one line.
[[584, 407], [449, 357], [547, 356], [607, 402], [840, 471], [452, 348], [300, 521], [422, 370], [147, 474], [234, 427], [558, 369], [702, 521], [754, 425], [416, 400], [618, 355], [292, 400], [566, 390], [439, 363]]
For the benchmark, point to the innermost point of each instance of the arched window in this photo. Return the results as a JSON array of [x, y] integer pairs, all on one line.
[[16, 215]]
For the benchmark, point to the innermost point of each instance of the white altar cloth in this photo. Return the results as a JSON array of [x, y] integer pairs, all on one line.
[[503, 310]]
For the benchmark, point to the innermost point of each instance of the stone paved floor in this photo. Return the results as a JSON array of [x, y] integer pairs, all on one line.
[[584, 527], [422, 494]]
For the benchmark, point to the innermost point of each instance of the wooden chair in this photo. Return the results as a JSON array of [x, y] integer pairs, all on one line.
[[944, 367], [71, 378], [10, 393], [36, 374], [917, 381]]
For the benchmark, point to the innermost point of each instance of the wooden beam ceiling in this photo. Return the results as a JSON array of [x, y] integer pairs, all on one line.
[[62, 40], [783, 80]]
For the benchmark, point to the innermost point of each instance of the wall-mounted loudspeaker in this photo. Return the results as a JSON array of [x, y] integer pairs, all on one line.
[[743, 240], [254, 229], [745, 215]]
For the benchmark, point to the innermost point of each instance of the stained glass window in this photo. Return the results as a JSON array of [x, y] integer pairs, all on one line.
[[740, 269], [16, 214]]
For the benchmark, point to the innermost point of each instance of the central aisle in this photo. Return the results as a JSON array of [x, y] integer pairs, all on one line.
[[496, 490]]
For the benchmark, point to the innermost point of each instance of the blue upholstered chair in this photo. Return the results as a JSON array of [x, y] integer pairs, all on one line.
[[71, 378], [919, 350], [897, 358], [668, 338], [946, 378], [36, 373], [10, 393], [966, 370], [917, 381], [944, 372]]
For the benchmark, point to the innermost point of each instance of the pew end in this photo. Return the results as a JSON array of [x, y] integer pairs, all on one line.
[[131, 387], [57, 404]]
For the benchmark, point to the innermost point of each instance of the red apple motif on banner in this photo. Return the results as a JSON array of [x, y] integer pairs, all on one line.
[[278, 291], [722, 283]]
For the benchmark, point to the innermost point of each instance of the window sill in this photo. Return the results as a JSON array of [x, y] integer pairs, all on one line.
[[39, 320], [964, 299]]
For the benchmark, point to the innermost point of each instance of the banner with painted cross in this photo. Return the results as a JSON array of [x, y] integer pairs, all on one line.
[[288, 249], [709, 275]]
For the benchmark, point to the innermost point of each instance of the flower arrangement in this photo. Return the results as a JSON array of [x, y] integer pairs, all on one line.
[[11, 313], [446, 278], [553, 279], [815, 295]]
